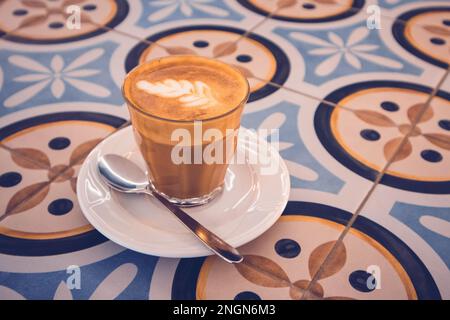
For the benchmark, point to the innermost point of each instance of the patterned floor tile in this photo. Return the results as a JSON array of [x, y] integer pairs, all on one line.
[[404, 9], [317, 174], [351, 51], [46, 22], [373, 263], [320, 59], [154, 12], [125, 275], [148, 15], [446, 82], [278, 265], [41, 215], [422, 223], [425, 33], [421, 163], [257, 57], [308, 11], [37, 75], [381, 114], [346, 83], [412, 198], [13, 178]]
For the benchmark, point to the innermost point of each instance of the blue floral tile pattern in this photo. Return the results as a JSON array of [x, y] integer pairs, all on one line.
[[157, 11], [126, 275], [306, 171], [432, 223], [396, 3], [344, 51], [80, 74], [364, 129]]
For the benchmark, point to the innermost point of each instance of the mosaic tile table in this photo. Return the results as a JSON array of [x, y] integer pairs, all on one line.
[[364, 119]]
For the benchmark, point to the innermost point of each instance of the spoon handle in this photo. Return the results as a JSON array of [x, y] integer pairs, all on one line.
[[217, 245]]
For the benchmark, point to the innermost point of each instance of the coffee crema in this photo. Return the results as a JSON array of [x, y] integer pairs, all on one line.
[[177, 94], [185, 88]]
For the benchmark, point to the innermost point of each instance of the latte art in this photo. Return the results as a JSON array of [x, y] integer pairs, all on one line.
[[185, 88], [197, 94]]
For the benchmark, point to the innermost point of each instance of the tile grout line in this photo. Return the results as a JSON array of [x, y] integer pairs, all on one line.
[[251, 29], [374, 185], [301, 93]]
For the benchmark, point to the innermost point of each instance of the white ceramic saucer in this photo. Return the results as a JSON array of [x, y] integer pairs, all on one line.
[[250, 203]]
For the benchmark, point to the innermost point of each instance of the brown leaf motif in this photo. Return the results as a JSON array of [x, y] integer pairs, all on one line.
[[33, 20], [441, 31], [419, 110], [33, 194], [375, 118], [30, 158], [81, 152], [85, 18], [180, 50], [60, 173], [299, 288], [34, 4], [224, 49], [263, 272], [438, 139], [246, 72], [392, 151], [318, 256], [286, 3]]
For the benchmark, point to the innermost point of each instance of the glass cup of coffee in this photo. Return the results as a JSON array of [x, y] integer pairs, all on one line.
[[185, 112]]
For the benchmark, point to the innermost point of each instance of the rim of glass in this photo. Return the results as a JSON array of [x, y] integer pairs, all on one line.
[[135, 107]]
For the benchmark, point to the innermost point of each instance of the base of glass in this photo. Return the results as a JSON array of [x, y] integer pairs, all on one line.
[[190, 202]]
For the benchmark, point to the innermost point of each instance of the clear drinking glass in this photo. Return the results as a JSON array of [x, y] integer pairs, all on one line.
[[193, 183]]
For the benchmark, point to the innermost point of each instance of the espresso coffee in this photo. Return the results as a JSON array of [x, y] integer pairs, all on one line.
[[182, 93]]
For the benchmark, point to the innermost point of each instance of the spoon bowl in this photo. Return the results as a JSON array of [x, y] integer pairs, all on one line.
[[124, 176]]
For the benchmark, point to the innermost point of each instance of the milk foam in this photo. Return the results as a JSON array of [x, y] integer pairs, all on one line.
[[189, 94], [185, 88]]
